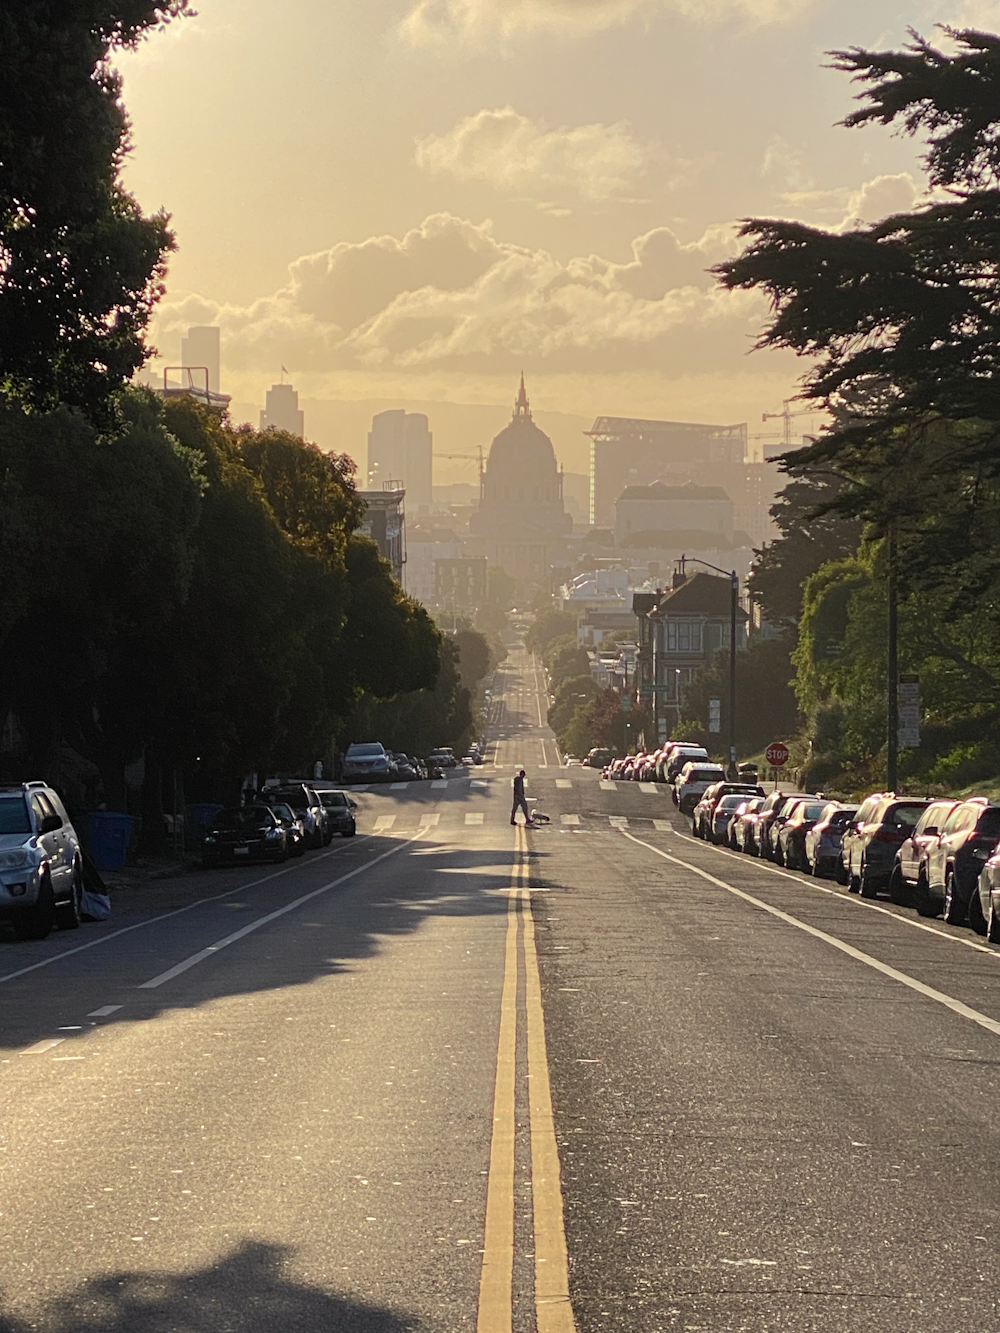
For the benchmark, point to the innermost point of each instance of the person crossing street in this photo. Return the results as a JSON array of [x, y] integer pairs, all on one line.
[[519, 801]]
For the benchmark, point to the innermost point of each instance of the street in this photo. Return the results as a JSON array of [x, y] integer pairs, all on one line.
[[329, 1096]]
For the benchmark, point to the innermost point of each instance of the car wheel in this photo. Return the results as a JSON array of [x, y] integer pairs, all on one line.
[[952, 908], [927, 903], [897, 888], [840, 873], [993, 924], [68, 915], [865, 886], [816, 869], [349, 832], [778, 856], [977, 918], [35, 922]]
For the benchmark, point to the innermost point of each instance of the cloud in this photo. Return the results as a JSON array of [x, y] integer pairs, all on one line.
[[449, 296], [445, 22], [783, 163], [513, 154], [881, 198]]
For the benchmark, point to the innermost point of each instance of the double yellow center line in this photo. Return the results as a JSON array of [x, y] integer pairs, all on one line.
[[553, 1311]]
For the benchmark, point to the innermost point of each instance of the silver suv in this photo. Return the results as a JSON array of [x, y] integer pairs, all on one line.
[[41, 862]]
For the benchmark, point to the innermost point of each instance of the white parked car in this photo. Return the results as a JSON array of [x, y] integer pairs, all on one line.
[[693, 781], [41, 862]]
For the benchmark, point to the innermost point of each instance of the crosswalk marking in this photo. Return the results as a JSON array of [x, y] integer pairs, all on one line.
[[432, 817], [564, 782], [384, 823], [571, 819], [473, 819], [439, 784], [478, 783], [398, 786], [607, 786], [649, 788], [662, 825], [618, 821]]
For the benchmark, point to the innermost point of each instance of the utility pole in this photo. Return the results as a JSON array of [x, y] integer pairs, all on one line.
[[733, 772], [892, 665]]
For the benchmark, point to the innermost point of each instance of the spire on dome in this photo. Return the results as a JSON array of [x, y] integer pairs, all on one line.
[[521, 407]]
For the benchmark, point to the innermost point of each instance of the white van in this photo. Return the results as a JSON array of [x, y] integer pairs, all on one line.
[[692, 782]]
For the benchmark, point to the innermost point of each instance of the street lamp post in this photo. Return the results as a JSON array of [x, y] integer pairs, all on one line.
[[734, 598]]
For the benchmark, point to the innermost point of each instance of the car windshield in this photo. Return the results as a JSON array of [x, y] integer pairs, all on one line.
[[841, 818], [249, 817], [989, 822], [282, 811], [704, 775], [365, 751], [812, 811], [731, 802], [905, 814], [333, 798], [297, 798], [14, 815]]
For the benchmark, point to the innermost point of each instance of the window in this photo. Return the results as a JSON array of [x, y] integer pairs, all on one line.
[[683, 636]]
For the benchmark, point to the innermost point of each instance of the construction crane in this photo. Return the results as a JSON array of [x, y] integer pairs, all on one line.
[[473, 458], [786, 415]]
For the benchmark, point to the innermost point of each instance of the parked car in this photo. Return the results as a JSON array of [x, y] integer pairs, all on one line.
[[681, 754], [955, 858], [742, 827], [826, 838], [703, 815], [908, 879], [308, 807], [871, 852], [443, 759], [367, 761], [250, 833], [851, 834], [692, 782], [987, 898], [340, 812], [773, 814], [598, 758], [790, 848], [41, 862], [405, 768], [722, 815], [295, 833]]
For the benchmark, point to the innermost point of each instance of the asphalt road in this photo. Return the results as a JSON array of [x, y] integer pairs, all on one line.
[[330, 1096]]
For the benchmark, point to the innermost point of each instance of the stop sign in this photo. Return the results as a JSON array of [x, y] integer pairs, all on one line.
[[776, 754]]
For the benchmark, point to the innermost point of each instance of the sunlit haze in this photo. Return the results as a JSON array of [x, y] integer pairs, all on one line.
[[406, 203]]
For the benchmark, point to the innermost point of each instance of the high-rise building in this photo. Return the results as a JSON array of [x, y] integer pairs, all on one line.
[[282, 411], [201, 349], [400, 448]]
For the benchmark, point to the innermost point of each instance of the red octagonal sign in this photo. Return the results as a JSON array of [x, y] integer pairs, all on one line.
[[776, 754]]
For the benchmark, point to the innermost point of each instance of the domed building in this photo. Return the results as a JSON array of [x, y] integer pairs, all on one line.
[[521, 514]]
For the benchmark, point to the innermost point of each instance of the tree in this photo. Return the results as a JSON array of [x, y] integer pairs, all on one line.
[[80, 266], [571, 698], [766, 707], [547, 627]]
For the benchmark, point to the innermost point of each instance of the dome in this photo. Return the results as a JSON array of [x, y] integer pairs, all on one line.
[[521, 447]]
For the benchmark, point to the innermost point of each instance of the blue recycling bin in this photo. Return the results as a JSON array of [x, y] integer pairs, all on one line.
[[110, 835]]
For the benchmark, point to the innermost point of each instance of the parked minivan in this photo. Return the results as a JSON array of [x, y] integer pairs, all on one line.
[[693, 781]]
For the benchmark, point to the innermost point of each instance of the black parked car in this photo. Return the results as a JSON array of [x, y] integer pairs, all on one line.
[[340, 813], [294, 831], [253, 833], [307, 806], [874, 838]]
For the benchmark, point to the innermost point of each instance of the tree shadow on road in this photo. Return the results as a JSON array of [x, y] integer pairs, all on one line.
[[247, 1291]]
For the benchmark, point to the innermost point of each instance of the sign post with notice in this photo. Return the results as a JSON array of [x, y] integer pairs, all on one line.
[[776, 755]]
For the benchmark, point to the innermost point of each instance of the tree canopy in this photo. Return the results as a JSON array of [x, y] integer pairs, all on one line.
[[80, 265]]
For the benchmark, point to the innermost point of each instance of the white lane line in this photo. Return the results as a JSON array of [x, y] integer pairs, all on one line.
[[564, 783], [663, 826], [608, 786], [104, 1010], [398, 786], [570, 819], [618, 821], [213, 949], [434, 817], [165, 916], [438, 784], [384, 823], [40, 1047], [471, 819], [939, 997]]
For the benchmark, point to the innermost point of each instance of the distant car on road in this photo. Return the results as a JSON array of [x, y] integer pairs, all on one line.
[[692, 782], [870, 847], [790, 848], [250, 833], [305, 801], [367, 761], [339, 812]]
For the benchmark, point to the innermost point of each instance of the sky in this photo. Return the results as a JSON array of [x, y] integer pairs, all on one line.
[[410, 201]]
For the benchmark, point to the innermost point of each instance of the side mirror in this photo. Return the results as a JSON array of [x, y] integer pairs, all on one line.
[[353, 804], [50, 824]]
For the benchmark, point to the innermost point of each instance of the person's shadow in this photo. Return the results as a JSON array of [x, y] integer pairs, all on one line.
[[247, 1291]]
